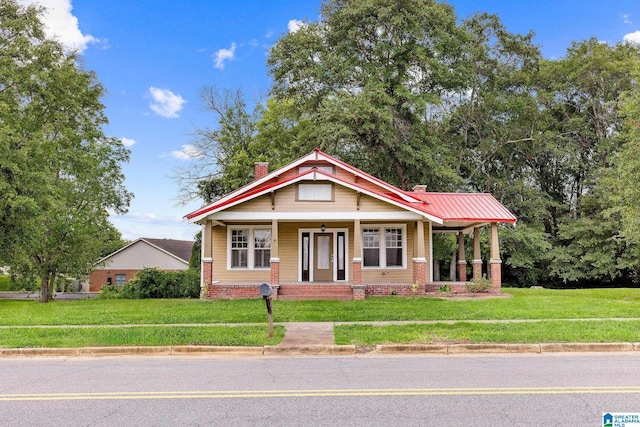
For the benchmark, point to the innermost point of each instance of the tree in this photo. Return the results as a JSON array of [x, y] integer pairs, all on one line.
[[59, 173], [365, 74], [222, 158]]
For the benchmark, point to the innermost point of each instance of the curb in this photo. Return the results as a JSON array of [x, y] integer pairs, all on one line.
[[322, 350]]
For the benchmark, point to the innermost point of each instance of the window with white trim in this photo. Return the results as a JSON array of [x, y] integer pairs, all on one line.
[[261, 248], [249, 247], [389, 251], [315, 192], [121, 279]]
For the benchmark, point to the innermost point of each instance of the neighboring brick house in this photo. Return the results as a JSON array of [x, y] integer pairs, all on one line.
[[320, 228], [120, 266]]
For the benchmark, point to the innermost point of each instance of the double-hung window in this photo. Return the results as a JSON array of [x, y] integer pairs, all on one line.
[[383, 246], [249, 247]]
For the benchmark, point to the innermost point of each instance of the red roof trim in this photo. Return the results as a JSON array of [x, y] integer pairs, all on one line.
[[448, 207]]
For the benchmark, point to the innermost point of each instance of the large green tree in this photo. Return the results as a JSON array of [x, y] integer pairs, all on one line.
[[59, 173], [365, 75]]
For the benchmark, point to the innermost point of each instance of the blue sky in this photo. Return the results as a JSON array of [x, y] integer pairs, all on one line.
[[154, 56]]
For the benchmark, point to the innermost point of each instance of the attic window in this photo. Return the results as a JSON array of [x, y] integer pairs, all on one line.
[[315, 192], [324, 168]]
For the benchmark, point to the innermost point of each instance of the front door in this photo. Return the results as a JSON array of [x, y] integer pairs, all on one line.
[[323, 257]]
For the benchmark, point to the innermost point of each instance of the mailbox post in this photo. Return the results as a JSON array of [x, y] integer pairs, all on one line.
[[265, 292]]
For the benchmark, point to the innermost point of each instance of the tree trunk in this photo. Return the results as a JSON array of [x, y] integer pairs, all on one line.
[[436, 270], [46, 287]]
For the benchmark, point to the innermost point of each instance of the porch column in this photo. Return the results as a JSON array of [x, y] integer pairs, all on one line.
[[274, 261], [357, 253], [462, 262], [495, 261], [206, 274], [420, 262], [477, 256]]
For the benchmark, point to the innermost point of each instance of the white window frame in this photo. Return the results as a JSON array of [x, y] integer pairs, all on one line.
[[250, 246], [315, 192], [116, 279], [382, 228]]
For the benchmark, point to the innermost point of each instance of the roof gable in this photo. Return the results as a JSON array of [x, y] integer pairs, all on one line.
[[436, 207], [178, 249]]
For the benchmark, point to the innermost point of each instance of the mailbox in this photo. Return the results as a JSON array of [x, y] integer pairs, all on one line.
[[265, 290]]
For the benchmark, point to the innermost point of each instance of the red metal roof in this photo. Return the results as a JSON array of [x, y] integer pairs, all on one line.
[[459, 207], [465, 207]]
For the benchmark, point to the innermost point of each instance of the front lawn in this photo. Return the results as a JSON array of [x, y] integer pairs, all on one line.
[[178, 322], [524, 304], [553, 331]]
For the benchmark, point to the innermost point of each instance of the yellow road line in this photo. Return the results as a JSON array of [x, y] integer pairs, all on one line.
[[247, 394]]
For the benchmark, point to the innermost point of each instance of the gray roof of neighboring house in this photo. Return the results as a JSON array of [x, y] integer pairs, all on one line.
[[179, 248]]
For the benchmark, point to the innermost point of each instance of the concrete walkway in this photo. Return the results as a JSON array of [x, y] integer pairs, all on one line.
[[310, 333]]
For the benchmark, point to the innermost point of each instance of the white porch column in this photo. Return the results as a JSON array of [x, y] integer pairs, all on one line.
[[274, 261], [357, 253]]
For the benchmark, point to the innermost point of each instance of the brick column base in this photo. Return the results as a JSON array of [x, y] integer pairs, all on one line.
[[275, 271], [357, 271], [359, 292], [207, 278], [420, 272], [462, 271], [496, 274], [477, 269]]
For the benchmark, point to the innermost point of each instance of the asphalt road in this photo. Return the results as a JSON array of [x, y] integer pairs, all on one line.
[[369, 390]]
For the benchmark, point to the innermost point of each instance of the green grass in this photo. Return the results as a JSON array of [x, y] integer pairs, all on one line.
[[465, 332], [525, 304], [139, 336]]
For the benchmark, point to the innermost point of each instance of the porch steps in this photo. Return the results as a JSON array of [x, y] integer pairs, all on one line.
[[315, 291]]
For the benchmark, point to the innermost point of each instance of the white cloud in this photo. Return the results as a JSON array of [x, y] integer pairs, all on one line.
[[626, 18], [166, 103], [187, 152], [632, 37], [62, 25], [127, 142], [224, 55], [294, 25]]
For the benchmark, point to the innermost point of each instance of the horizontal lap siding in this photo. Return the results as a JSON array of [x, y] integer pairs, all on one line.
[[220, 272]]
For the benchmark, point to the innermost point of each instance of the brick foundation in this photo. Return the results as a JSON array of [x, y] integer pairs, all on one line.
[[496, 275], [462, 271], [420, 272], [275, 272]]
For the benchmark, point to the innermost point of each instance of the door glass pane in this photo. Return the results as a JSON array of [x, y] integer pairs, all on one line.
[[323, 252]]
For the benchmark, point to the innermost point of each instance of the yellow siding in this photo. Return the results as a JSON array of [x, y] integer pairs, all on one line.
[[345, 200], [288, 253], [220, 272]]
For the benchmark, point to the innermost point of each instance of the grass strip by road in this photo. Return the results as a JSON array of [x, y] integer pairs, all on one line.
[[524, 304], [139, 336], [561, 331]]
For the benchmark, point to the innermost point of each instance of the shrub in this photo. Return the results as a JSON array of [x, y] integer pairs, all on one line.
[[444, 288], [479, 286], [109, 292], [154, 283]]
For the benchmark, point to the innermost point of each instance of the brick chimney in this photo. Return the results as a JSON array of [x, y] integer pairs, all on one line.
[[260, 170], [419, 188]]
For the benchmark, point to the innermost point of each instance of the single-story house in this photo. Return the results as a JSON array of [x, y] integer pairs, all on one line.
[[120, 267], [321, 228]]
